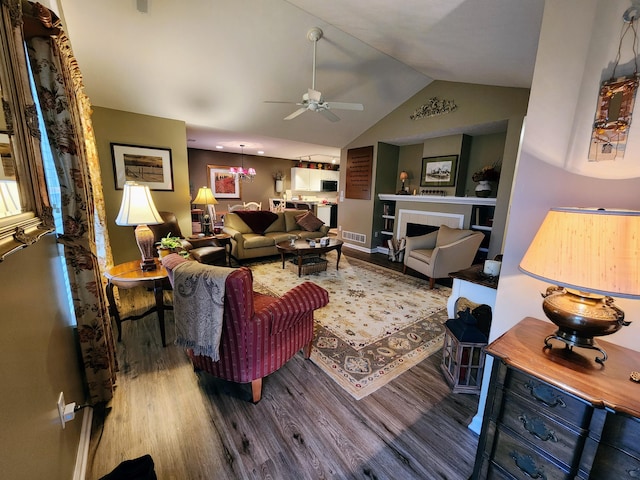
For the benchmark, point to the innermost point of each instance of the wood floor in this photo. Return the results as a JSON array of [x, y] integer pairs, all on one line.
[[305, 426]]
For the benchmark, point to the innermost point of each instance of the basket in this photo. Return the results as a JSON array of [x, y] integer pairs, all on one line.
[[309, 265]]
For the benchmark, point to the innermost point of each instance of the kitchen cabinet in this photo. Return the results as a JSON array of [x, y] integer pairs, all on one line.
[[310, 179], [557, 414]]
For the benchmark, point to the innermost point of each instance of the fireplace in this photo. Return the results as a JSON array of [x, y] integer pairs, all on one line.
[[417, 229], [426, 222]]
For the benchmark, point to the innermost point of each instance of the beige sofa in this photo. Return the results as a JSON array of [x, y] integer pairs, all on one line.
[[245, 243]]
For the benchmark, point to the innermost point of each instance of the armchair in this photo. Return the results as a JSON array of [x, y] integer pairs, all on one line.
[[260, 333], [204, 251], [439, 253]]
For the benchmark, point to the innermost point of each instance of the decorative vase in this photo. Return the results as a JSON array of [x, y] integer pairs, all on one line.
[[483, 189]]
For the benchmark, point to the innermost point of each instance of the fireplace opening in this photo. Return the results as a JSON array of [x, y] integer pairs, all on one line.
[[417, 229]]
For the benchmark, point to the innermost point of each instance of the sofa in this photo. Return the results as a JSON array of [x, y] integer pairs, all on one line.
[[259, 333], [256, 234]]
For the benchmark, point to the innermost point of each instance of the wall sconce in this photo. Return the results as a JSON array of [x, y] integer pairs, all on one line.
[[589, 254], [137, 209]]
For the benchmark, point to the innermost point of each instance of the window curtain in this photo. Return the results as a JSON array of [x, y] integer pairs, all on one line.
[[66, 113]]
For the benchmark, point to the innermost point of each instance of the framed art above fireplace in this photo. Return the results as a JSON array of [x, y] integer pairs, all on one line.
[[439, 171]]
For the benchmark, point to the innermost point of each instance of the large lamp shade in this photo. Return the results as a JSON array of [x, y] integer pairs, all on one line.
[[137, 209], [591, 254]]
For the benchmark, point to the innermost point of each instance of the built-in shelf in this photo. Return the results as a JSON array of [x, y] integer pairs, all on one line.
[[437, 199]]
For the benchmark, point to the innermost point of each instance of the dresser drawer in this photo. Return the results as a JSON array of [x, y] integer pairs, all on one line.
[[549, 400], [613, 463], [545, 433], [622, 432], [522, 461]]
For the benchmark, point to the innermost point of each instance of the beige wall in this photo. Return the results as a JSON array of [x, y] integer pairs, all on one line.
[[116, 126], [478, 105], [38, 360]]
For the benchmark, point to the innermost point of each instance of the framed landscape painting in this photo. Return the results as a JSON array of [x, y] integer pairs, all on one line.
[[223, 183], [439, 171], [144, 165]]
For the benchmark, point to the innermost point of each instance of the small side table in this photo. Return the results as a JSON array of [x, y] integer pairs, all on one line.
[[130, 275], [224, 240]]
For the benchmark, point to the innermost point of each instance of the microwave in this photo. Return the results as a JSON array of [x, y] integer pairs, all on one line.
[[329, 185]]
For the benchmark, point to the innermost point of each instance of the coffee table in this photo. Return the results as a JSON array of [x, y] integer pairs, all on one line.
[[300, 248]]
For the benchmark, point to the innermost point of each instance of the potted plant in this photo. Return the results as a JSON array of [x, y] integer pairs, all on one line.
[[169, 245], [487, 174]]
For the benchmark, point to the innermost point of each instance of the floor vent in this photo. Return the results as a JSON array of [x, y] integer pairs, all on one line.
[[356, 237]]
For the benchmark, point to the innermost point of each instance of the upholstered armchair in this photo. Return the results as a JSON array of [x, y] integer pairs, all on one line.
[[260, 333], [204, 251], [439, 253]]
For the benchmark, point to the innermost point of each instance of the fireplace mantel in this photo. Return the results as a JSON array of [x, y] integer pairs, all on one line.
[[437, 199]]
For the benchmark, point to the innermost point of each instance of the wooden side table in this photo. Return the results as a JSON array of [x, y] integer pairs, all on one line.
[[130, 275]]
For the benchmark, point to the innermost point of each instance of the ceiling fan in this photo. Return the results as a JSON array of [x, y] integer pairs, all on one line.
[[313, 100]]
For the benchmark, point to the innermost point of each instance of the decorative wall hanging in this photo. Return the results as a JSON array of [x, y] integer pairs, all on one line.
[[615, 104], [439, 171], [222, 182], [434, 107], [149, 166]]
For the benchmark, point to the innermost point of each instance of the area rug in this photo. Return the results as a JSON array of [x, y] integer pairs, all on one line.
[[378, 324]]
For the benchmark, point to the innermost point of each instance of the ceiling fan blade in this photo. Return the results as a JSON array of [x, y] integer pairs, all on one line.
[[346, 106], [330, 115], [274, 101], [300, 111], [314, 95]]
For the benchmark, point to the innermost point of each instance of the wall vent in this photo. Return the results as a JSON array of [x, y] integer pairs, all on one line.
[[356, 237]]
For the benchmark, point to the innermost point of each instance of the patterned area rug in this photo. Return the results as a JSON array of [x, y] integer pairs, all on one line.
[[378, 324]]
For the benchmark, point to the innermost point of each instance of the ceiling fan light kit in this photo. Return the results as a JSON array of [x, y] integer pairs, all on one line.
[[313, 100]]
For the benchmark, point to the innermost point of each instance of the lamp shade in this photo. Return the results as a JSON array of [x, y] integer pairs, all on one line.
[[404, 175], [137, 206], [589, 250], [205, 197]]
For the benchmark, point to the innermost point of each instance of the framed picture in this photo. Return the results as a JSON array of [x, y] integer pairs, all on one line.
[[223, 183], [144, 165], [439, 171]]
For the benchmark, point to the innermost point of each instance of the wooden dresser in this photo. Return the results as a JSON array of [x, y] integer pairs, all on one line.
[[556, 413]]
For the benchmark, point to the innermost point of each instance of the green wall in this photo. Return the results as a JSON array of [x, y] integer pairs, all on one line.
[[480, 108]]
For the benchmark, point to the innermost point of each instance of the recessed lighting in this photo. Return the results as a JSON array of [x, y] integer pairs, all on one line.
[[219, 147], [260, 152]]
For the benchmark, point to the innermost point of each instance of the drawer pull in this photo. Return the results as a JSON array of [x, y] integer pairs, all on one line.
[[545, 394], [537, 428], [528, 465]]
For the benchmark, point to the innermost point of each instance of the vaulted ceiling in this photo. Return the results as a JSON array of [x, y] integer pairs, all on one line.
[[214, 63]]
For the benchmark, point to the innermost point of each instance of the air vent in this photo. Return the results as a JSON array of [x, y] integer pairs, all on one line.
[[356, 237]]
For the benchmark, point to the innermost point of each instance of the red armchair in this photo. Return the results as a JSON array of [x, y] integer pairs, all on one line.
[[260, 333]]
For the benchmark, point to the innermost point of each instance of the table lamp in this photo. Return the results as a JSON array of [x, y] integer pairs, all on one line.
[[205, 197], [137, 209], [591, 255], [403, 178]]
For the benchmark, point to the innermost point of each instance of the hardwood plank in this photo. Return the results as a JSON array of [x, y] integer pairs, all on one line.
[[195, 426]]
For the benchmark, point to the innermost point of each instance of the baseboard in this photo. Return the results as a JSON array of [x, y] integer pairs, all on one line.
[[80, 470], [357, 247]]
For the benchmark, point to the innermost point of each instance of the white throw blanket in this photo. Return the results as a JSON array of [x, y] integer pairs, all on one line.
[[198, 303]]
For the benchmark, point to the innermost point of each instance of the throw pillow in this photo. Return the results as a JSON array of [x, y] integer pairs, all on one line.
[[309, 222]]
